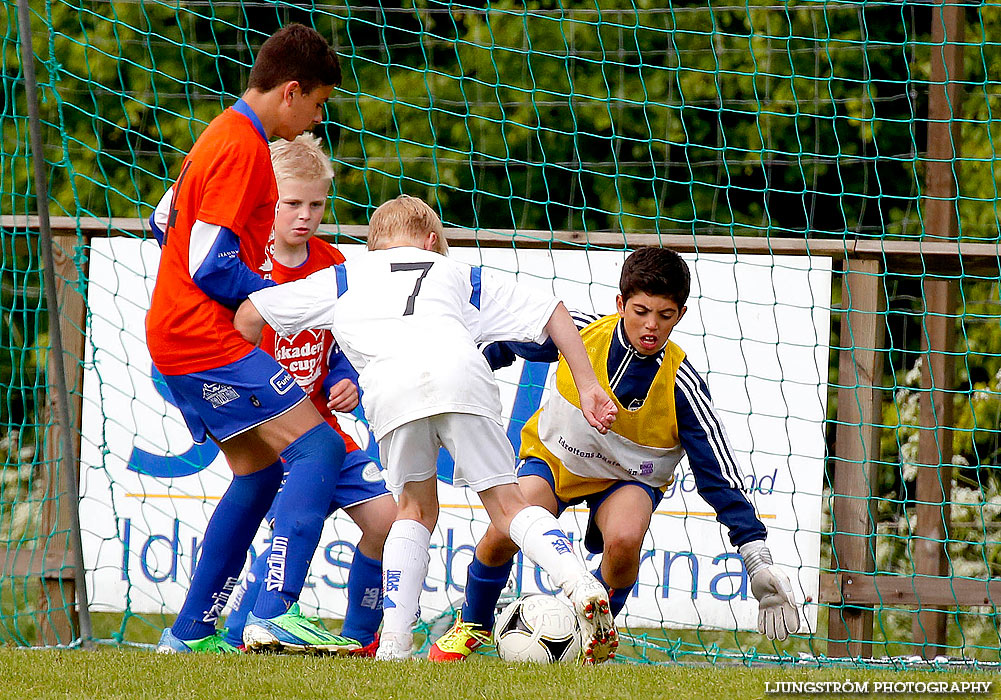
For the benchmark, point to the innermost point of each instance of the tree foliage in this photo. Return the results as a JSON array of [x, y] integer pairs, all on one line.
[[807, 120]]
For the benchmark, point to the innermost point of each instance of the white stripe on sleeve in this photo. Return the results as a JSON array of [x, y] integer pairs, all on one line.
[[709, 420], [582, 319], [203, 237], [162, 212]]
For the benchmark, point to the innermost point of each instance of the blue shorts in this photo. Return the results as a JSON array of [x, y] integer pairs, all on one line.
[[594, 542], [232, 399], [361, 480]]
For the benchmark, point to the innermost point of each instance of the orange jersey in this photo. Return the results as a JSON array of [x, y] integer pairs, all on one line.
[[304, 355], [227, 181]]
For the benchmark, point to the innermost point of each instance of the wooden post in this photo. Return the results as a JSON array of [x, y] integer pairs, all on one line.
[[57, 613], [944, 116], [860, 372], [934, 480]]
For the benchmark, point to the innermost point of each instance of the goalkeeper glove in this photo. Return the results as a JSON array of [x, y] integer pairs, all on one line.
[[777, 613]]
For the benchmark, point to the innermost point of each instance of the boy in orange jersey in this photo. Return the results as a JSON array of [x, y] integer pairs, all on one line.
[[215, 223]]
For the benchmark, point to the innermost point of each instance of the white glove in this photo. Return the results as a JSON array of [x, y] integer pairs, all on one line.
[[777, 613]]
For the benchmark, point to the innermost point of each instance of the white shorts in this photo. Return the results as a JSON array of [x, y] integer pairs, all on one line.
[[483, 455]]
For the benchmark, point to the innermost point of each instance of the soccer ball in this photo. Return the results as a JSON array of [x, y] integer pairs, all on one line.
[[539, 629]]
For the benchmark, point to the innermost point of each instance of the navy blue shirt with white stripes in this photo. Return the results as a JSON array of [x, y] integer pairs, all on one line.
[[717, 473]]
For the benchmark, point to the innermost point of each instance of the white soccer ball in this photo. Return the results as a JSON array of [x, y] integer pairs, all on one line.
[[539, 629]]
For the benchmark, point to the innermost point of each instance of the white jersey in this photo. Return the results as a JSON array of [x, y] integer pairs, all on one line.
[[409, 321]]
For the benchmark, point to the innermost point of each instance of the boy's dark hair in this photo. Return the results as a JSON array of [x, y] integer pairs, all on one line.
[[295, 52], [659, 272]]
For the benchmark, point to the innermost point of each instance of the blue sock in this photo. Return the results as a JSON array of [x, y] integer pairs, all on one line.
[[237, 618], [269, 517], [314, 466], [616, 596], [483, 587], [230, 531], [364, 613]]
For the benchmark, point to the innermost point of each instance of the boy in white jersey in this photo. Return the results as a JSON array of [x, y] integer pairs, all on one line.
[[409, 319]]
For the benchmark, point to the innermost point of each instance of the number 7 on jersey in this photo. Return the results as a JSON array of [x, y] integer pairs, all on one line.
[[424, 268]]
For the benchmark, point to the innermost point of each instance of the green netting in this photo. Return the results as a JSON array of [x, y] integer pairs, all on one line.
[[780, 122]]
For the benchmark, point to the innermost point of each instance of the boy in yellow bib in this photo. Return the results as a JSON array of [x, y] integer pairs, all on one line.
[[664, 412]]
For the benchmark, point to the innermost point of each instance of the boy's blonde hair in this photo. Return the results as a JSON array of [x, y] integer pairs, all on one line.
[[301, 159], [406, 219]]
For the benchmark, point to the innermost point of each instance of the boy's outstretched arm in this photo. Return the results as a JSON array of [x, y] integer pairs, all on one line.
[[502, 353], [595, 404], [719, 481], [249, 322]]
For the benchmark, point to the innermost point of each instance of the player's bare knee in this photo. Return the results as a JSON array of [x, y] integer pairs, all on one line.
[[495, 548], [502, 503], [623, 548], [376, 534], [373, 539], [619, 573], [424, 513]]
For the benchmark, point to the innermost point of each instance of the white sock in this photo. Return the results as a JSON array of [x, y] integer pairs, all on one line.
[[405, 560], [541, 538]]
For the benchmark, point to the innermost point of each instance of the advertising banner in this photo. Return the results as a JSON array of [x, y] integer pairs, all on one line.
[[757, 330]]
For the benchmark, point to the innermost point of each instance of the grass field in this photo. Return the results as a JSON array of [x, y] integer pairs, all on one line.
[[122, 673], [134, 671]]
